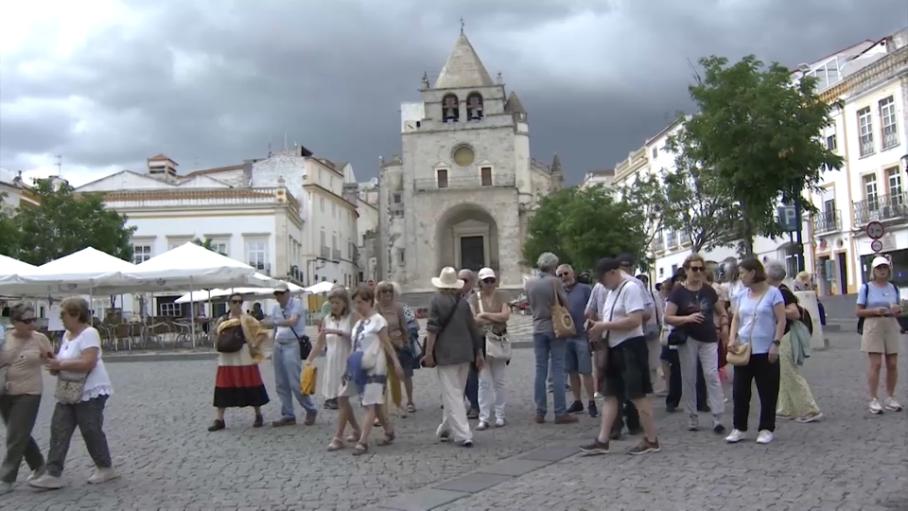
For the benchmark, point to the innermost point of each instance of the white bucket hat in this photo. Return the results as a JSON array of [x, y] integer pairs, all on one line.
[[879, 261], [447, 279]]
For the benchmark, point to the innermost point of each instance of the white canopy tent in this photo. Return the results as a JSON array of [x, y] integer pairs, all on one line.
[[192, 267], [322, 287], [251, 292], [87, 271], [11, 268]]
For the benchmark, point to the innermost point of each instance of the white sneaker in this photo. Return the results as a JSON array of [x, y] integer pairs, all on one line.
[[482, 426], [499, 423], [892, 405], [47, 482], [442, 435], [735, 436], [764, 437], [102, 475], [875, 407], [35, 474]]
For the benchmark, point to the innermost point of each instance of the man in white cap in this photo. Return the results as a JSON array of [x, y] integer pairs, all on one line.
[[289, 318]]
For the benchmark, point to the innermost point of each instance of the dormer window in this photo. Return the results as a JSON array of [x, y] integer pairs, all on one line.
[[474, 106], [450, 108]]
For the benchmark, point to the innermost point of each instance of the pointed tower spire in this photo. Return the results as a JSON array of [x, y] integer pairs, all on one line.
[[463, 68], [556, 164]]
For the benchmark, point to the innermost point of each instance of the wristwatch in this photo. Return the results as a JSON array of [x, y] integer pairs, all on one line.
[[777, 342]]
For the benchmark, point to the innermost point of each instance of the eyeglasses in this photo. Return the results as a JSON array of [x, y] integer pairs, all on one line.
[[236, 301], [696, 269], [489, 281], [28, 321]]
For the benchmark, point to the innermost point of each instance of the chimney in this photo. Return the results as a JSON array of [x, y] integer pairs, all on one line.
[[163, 167]]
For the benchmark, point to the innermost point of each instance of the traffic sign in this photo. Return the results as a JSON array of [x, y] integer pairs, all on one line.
[[876, 246], [875, 230]]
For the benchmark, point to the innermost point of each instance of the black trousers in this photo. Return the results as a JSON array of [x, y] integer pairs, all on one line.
[[472, 389], [767, 376]]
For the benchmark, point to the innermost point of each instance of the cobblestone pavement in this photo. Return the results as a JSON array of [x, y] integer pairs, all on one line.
[[156, 428]]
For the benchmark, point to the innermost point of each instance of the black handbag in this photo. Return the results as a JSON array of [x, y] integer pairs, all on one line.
[[305, 344], [677, 337], [230, 340]]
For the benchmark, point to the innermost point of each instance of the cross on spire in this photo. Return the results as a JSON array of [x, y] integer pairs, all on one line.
[[461, 24]]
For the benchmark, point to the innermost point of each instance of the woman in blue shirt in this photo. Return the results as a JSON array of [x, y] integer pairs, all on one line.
[[759, 320], [878, 305]]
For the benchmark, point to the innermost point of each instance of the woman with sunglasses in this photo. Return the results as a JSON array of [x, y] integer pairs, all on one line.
[[492, 314], [23, 353], [239, 381]]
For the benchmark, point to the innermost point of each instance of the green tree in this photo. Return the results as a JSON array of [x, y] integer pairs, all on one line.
[[757, 132], [9, 233], [648, 197], [63, 223], [583, 225], [697, 205]]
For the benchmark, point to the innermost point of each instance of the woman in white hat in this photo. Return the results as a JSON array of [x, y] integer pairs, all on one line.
[[453, 342], [878, 305], [492, 314]]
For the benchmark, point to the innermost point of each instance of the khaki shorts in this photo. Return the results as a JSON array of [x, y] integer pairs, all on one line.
[[881, 335]]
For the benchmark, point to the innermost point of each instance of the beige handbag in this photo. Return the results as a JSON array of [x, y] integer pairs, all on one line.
[[739, 354], [69, 387], [497, 346], [562, 321]]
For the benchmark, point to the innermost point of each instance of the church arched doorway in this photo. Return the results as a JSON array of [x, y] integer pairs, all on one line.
[[467, 237]]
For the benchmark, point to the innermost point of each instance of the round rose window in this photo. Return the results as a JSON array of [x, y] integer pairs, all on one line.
[[463, 155]]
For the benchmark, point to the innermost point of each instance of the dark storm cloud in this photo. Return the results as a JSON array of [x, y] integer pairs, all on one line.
[[212, 82]]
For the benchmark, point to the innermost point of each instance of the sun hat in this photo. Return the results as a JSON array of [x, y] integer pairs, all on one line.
[[447, 279], [879, 261], [486, 273], [281, 288]]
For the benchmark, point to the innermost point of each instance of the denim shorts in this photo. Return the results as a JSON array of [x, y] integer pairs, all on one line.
[[577, 358], [627, 370]]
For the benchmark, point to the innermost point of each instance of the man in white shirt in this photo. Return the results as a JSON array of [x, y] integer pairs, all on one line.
[[627, 373]]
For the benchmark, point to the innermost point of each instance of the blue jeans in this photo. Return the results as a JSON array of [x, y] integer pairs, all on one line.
[[545, 346], [287, 369]]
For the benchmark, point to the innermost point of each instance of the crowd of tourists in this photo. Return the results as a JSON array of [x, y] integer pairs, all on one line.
[[614, 341]]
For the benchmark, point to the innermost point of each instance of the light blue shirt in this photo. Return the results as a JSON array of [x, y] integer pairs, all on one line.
[[874, 297], [756, 319], [283, 333], [2, 335]]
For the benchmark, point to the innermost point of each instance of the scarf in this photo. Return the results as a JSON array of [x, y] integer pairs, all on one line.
[[253, 331]]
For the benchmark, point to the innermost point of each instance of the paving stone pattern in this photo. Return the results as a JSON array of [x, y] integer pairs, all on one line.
[[156, 428]]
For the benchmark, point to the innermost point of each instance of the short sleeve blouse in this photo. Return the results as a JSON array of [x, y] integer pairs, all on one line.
[[98, 382]]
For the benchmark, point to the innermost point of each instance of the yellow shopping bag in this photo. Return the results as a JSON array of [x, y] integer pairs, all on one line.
[[307, 381]]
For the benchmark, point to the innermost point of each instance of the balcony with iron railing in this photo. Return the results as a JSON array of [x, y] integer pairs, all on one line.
[[827, 222], [462, 183], [881, 208]]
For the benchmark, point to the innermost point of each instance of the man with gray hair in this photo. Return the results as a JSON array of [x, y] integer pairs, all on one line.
[[472, 389], [542, 293]]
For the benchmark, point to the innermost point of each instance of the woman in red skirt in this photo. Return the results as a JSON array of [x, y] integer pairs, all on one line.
[[239, 382]]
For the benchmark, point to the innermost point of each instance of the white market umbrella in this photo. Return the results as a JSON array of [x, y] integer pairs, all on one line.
[[10, 267], [322, 287], [257, 292], [81, 272], [192, 267]]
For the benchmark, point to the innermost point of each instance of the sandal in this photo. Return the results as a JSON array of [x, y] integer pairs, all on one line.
[[336, 444], [360, 448], [411, 408], [388, 440], [376, 423], [353, 437]]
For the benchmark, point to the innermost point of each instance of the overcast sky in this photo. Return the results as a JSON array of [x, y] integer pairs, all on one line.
[[107, 83]]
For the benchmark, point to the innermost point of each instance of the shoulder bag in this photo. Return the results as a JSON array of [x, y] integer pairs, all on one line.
[[497, 346], [230, 340], [305, 343], [562, 321], [739, 354], [443, 325], [70, 387], [14, 354]]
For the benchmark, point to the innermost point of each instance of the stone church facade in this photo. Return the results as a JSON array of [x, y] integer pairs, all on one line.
[[464, 187]]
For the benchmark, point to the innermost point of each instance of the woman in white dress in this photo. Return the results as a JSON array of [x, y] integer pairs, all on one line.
[[367, 372], [336, 335]]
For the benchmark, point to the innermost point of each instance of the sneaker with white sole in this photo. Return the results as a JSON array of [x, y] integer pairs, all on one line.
[[892, 405], [38, 472], [735, 436], [102, 475], [764, 437], [442, 434], [810, 418], [499, 423], [875, 407], [47, 482], [482, 426], [693, 422]]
